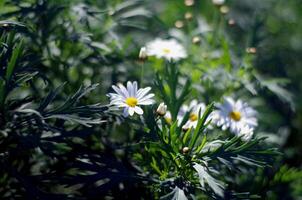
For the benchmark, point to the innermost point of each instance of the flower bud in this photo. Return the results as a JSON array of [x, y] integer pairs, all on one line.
[[251, 50], [231, 22], [185, 150], [143, 54], [161, 109], [189, 2], [224, 10], [179, 24], [111, 12], [188, 16], [196, 40]]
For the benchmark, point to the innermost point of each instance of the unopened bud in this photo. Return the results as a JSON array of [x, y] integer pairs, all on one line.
[[188, 16], [196, 40], [111, 12], [251, 50], [161, 109], [231, 22], [185, 150], [189, 2], [179, 24], [143, 54], [224, 9]]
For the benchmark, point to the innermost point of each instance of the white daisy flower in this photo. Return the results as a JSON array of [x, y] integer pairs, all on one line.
[[194, 108], [130, 98], [168, 49], [235, 115]]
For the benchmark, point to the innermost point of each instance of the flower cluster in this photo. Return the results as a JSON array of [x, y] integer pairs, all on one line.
[[236, 116]]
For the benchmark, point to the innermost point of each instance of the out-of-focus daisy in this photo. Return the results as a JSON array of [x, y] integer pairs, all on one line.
[[235, 115], [195, 108], [131, 98], [184, 109], [218, 2], [168, 49]]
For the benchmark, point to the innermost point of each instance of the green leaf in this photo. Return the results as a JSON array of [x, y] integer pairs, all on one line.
[[176, 194], [276, 86], [10, 22], [186, 136], [201, 125], [85, 121], [205, 177], [174, 136], [2, 91], [203, 142], [13, 61]]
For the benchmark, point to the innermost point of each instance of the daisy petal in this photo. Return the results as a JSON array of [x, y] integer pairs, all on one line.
[[124, 90], [146, 102], [130, 88], [149, 96], [119, 91], [142, 92], [131, 111], [138, 110], [126, 112]]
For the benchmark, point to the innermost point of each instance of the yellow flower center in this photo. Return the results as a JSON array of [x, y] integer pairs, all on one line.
[[193, 117], [166, 50], [131, 101], [235, 115]]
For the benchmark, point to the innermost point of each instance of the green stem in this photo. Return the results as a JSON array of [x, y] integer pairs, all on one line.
[[142, 74]]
